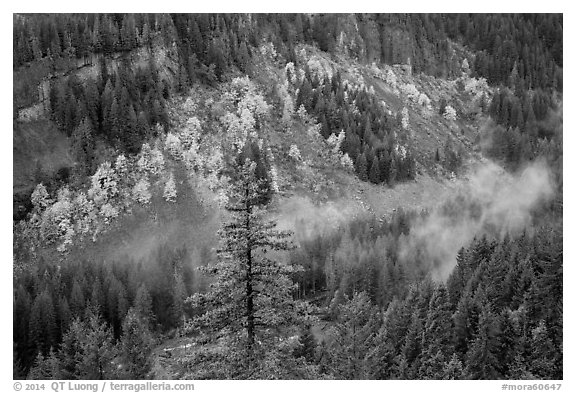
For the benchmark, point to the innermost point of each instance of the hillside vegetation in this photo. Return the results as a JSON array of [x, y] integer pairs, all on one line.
[[415, 159]]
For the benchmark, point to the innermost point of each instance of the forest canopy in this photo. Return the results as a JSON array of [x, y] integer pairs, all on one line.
[[181, 123]]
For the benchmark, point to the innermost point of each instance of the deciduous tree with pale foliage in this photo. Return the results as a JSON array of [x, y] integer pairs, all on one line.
[[40, 198], [173, 145], [294, 153], [449, 113], [347, 162], [151, 160], [104, 184], [141, 191], [405, 118], [290, 73], [287, 104], [170, 189], [335, 141]]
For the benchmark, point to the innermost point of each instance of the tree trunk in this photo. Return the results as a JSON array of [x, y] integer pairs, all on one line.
[[249, 290]]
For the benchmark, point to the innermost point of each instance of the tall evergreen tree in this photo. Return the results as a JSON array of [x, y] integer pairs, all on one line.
[[249, 306], [353, 336], [307, 345], [482, 361], [362, 167], [374, 175], [43, 332], [453, 369], [436, 345], [83, 145], [45, 367], [178, 298], [96, 349], [143, 306], [136, 346]]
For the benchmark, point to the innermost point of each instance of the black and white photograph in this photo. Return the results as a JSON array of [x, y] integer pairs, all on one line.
[[287, 196]]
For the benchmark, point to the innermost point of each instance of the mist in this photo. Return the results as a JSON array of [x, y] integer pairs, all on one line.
[[306, 219], [492, 202]]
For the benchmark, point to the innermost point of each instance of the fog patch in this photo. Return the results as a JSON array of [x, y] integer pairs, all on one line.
[[306, 219], [492, 202]]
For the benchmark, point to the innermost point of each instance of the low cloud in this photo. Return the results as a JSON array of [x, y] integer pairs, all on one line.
[[492, 202], [307, 219]]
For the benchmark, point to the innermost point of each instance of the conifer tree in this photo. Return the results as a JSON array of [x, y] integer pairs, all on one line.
[[393, 171], [143, 306], [412, 349], [92, 100], [22, 307], [482, 361], [45, 367], [542, 359], [353, 334], [249, 306], [436, 339], [304, 96], [96, 349], [374, 175], [136, 346], [453, 369], [178, 294], [243, 58], [464, 326], [307, 348], [362, 167], [511, 340], [128, 33], [64, 317], [70, 351], [458, 277], [43, 322], [40, 368], [83, 145], [114, 122], [381, 356]]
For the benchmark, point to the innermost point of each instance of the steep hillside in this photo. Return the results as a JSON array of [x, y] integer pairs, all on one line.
[[41, 146], [316, 175], [405, 50], [415, 164]]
